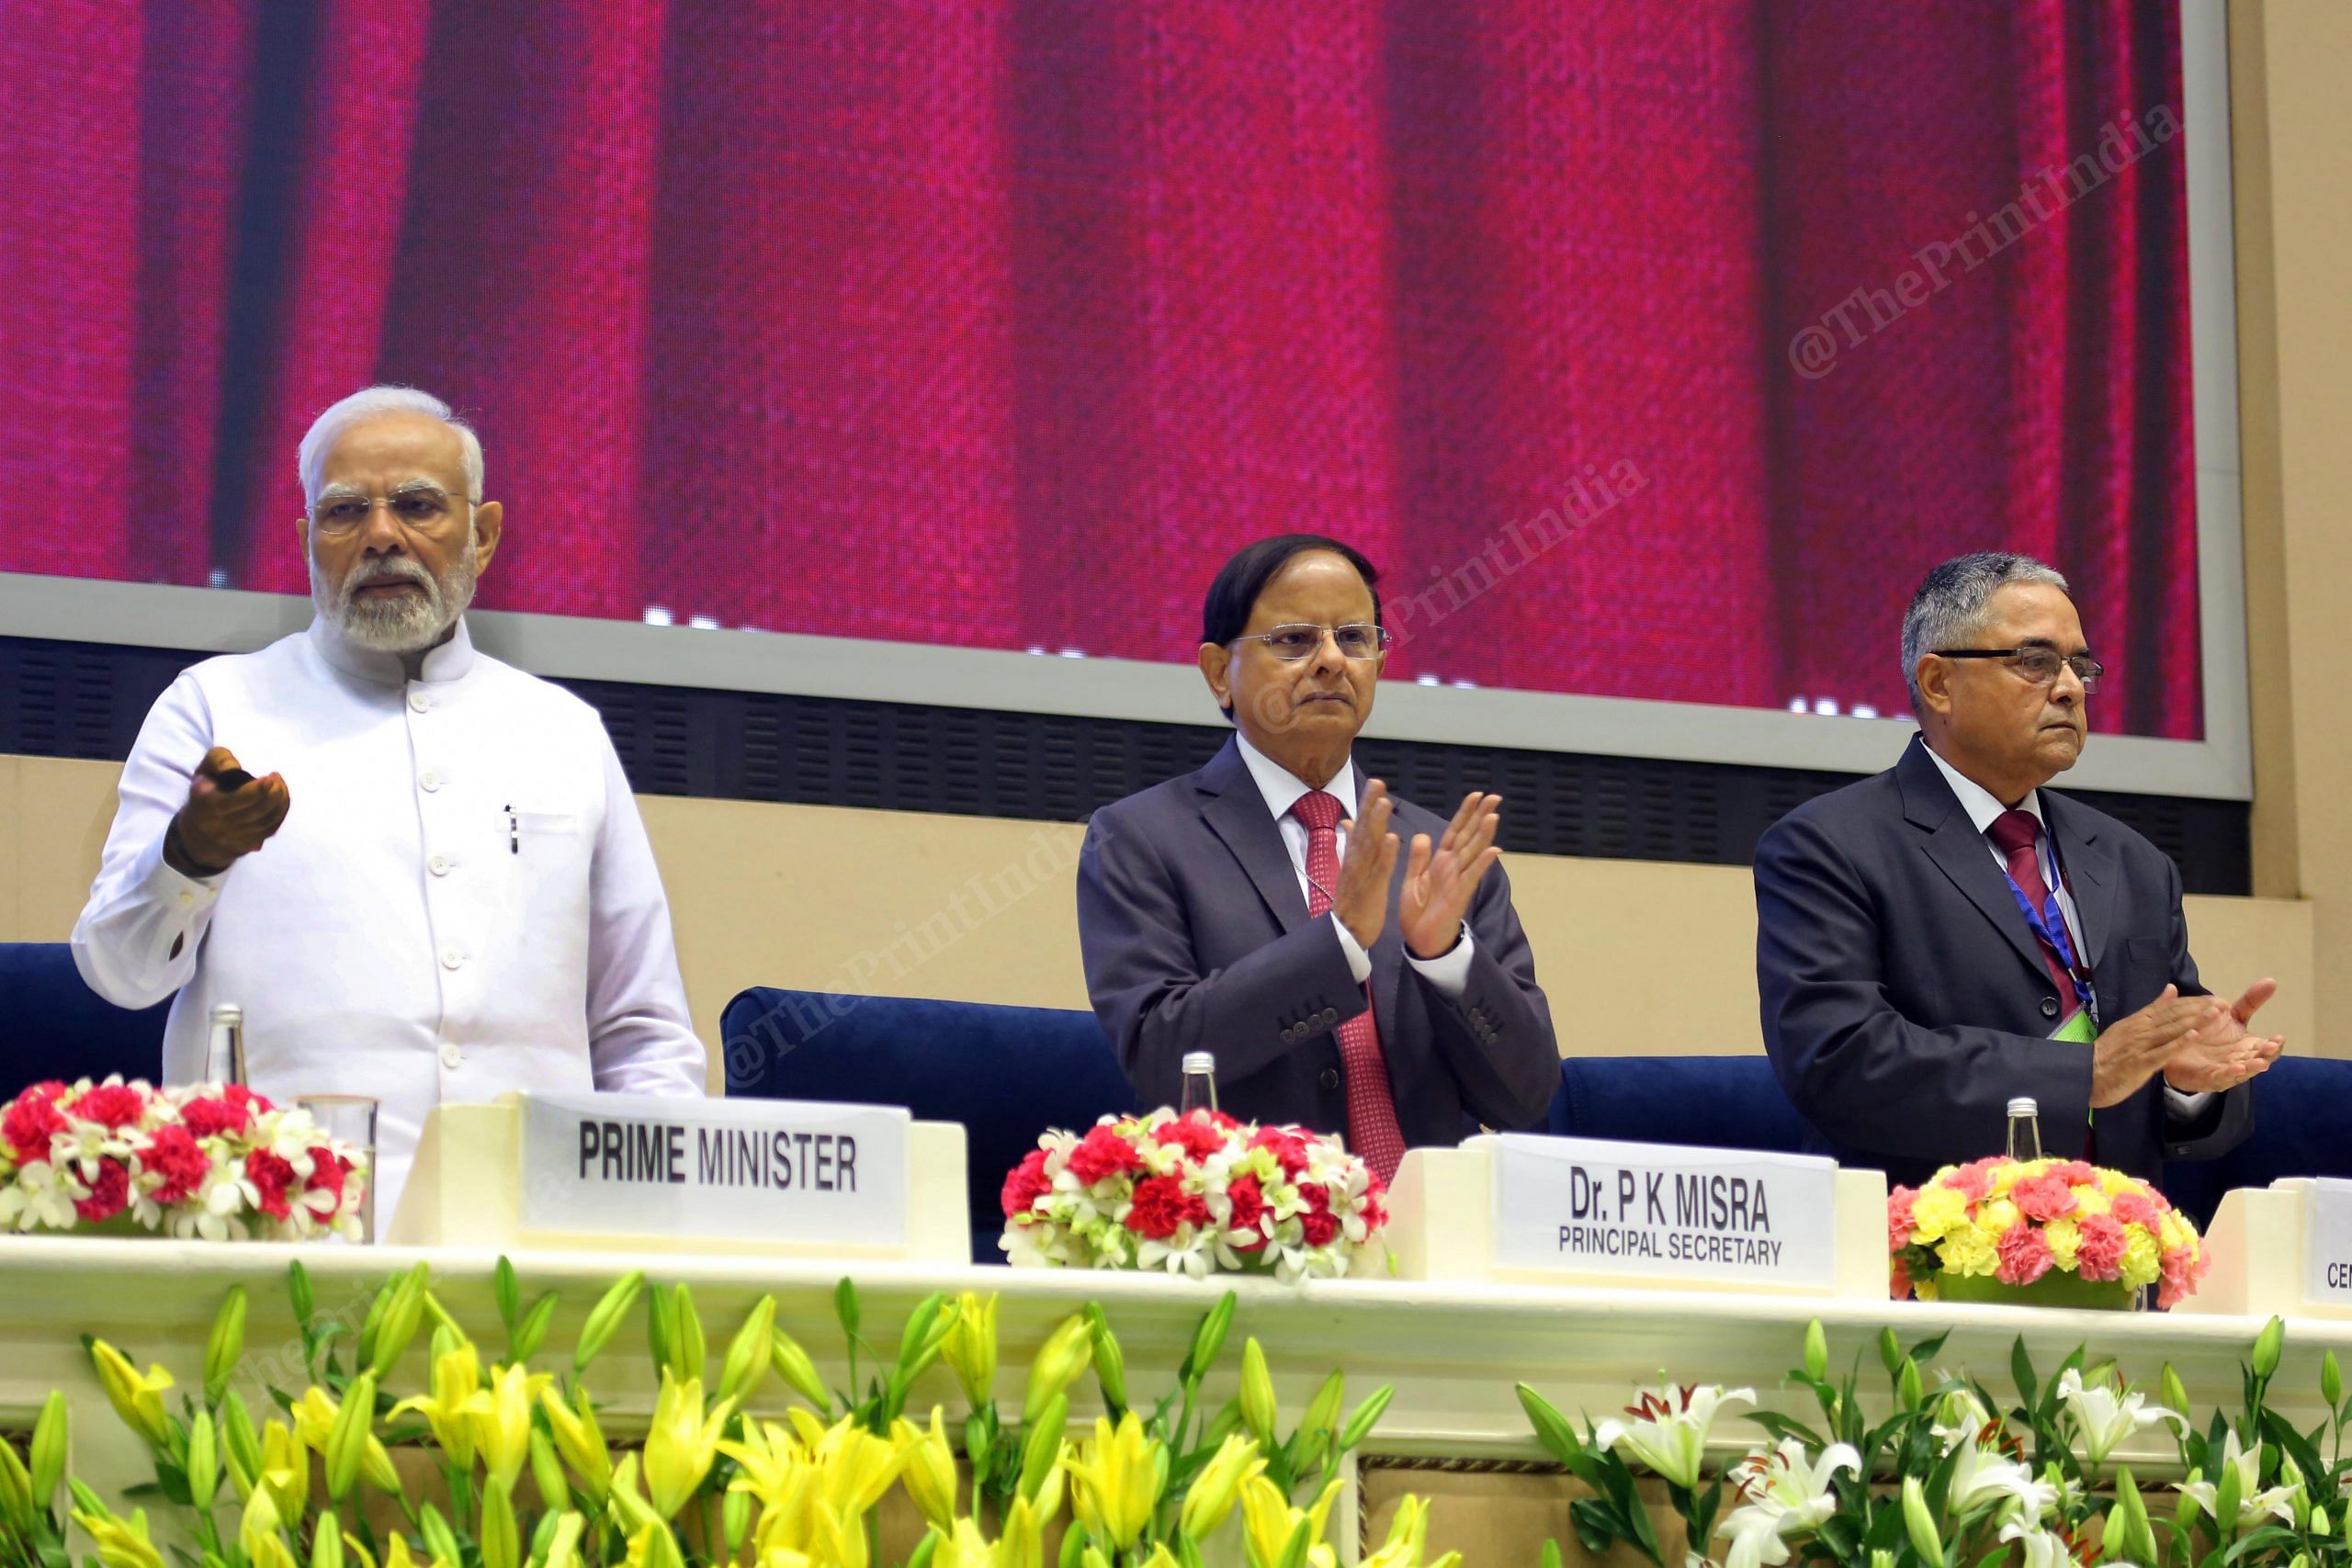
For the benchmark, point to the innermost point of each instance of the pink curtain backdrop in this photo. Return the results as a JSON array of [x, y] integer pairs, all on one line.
[[999, 322]]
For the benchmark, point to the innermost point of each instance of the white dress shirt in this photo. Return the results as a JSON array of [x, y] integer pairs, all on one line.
[[1450, 971], [462, 900], [1984, 808]]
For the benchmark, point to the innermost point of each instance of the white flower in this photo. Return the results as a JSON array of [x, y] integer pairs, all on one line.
[[1786, 1496], [1961, 1417], [36, 1197], [2279, 1500], [1668, 1430], [2105, 1414], [1984, 1476], [2045, 1548]]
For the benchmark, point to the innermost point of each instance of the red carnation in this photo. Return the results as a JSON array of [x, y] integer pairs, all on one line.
[[1319, 1227], [173, 1156], [1025, 1183], [210, 1118], [327, 1172], [1289, 1150], [112, 1105], [271, 1176], [1194, 1135], [1160, 1206], [30, 1120], [1248, 1208], [109, 1194], [1103, 1153]]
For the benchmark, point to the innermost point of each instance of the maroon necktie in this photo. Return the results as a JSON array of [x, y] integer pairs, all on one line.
[[2014, 834], [1372, 1112]]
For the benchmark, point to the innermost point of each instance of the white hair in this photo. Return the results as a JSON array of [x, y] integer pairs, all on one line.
[[370, 403], [1949, 605]]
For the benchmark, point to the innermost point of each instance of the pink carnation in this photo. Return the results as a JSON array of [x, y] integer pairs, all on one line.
[[1898, 1278], [1101, 1154], [2100, 1256], [113, 1106], [1025, 1183], [1898, 1217], [2025, 1255], [1973, 1180], [2183, 1268], [2042, 1198], [2136, 1208], [2076, 1172]]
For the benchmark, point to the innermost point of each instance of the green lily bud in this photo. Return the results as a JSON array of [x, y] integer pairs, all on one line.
[[227, 1343], [798, 1372], [604, 1320], [1890, 1350], [533, 1330], [2184, 1514], [440, 1540], [547, 1474], [2175, 1393], [203, 1460], [735, 1522], [1323, 1411], [748, 1355], [1043, 1446], [240, 1446], [1552, 1428], [1110, 1362], [16, 1491], [2267, 1346], [689, 1355], [506, 1291], [2331, 1380], [1257, 1407], [501, 1542], [327, 1546], [1816, 1350], [1907, 1390], [347, 1441], [1368, 1415], [1209, 1339], [401, 1318], [1919, 1522], [2229, 1498], [49, 1450]]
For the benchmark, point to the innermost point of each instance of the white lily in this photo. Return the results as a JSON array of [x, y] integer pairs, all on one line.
[[2045, 1548], [1961, 1417], [1668, 1430], [1786, 1495], [2105, 1411], [2279, 1500], [1984, 1475]]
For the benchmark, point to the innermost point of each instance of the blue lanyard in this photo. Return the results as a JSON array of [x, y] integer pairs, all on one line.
[[2049, 925]]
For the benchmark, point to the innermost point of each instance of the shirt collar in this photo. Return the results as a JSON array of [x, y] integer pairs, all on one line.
[[1982, 806], [1285, 789], [450, 662]]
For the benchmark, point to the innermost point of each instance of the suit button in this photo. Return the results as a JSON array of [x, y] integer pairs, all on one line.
[[2050, 1007], [1330, 1015], [1329, 1079]]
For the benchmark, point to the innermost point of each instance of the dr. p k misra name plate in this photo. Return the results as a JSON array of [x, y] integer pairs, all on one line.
[[715, 1170], [1651, 1210]]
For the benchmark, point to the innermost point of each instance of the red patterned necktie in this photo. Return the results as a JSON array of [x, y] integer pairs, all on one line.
[[2014, 834], [1372, 1113]]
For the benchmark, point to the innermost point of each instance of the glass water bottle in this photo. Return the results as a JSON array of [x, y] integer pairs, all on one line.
[[2025, 1129], [224, 1057], [1200, 1083]]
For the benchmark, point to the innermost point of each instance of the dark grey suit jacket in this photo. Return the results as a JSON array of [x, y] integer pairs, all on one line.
[[1905, 1000], [1196, 938]]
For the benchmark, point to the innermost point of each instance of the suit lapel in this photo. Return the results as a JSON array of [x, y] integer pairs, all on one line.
[[1236, 812], [2089, 866], [1387, 954], [1963, 855]]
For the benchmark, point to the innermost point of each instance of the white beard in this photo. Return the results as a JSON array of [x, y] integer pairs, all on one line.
[[408, 625]]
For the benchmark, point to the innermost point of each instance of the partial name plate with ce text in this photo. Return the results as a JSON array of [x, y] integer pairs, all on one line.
[[645, 1172], [1524, 1207]]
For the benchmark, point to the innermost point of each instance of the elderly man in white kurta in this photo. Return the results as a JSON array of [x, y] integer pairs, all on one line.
[[441, 890]]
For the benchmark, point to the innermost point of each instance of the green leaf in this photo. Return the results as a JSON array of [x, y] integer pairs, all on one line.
[[297, 1288], [845, 1306], [506, 1292], [1596, 1531], [526, 1341], [2021, 1369]]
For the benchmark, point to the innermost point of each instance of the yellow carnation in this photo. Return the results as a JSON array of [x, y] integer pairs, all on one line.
[[2115, 1182], [1935, 1211], [2142, 1260], [2064, 1236], [2089, 1199], [2009, 1176], [1970, 1251], [2174, 1231], [1996, 1217]]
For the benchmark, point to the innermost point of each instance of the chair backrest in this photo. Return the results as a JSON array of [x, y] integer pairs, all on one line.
[[2300, 1109], [1006, 1073], [1725, 1103], [54, 1026]]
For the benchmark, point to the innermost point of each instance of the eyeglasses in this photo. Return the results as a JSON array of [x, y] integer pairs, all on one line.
[[422, 507], [1304, 640], [2040, 665]]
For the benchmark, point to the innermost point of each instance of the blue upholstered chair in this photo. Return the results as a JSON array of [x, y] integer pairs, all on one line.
[[1006, 1073], [53, 1026], [1734, 1102]]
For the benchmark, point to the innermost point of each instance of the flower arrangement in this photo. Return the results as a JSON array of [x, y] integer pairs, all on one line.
[[2016, 1221], [200, 1161], [1952, 1474], [747, 1460], [1193, 1194]]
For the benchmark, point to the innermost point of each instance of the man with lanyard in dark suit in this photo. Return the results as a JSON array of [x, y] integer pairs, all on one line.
[[1938, 939], [1260, 908]]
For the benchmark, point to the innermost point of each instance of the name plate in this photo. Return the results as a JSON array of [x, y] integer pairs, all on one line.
[[715, 1170], [2327, 1243], [1655, 1211]]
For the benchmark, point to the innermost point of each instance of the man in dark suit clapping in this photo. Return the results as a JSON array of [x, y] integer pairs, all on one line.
[[1261, 908], [1938, 939]]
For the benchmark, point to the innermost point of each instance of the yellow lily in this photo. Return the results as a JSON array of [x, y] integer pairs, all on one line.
[[626, 1505], [120, 1544], [969, 1349], [928, 1469], [260, 1533], [855, 1469], [841, 1541], [457, 1378], [681, 1444], [285, 1471], [771, 1458], [1268, 1520], [580, 1440], [1407, 1534], [138, 1400], [1119, 1475], [1218, 1486], [1069, 1352], [1023, 1544], [498, 1419], [314, 1415], [654, 1547], [563, 1549]]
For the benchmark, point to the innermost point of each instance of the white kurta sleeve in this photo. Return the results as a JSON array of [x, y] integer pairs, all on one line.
[[641, 1038], [137, 939]]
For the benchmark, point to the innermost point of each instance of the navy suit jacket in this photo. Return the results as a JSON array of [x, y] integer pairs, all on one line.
[[1904, 999], [1196, 938]]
